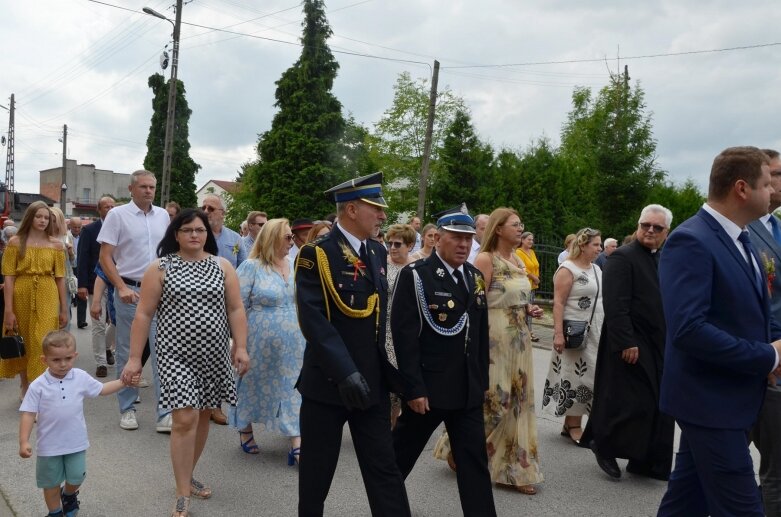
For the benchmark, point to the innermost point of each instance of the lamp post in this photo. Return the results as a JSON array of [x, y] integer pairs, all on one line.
[[165, 180]]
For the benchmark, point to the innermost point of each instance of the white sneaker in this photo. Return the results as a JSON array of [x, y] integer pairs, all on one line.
[[164, 424], [143, 383], [128, 421], [138, 399]]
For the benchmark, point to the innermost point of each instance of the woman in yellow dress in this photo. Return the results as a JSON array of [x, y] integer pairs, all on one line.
[[508, 411], [526, 253], [35, 304]]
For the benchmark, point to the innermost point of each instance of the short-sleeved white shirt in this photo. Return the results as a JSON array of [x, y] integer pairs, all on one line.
[[135, 236], [59, 404]]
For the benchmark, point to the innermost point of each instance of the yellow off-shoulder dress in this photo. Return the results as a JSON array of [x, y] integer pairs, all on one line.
[[36, 303]]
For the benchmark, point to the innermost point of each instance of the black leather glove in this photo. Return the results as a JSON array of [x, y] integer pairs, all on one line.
[[354, 391]]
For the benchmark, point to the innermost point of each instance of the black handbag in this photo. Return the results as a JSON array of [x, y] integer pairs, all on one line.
[[575, 331], [11, 347]]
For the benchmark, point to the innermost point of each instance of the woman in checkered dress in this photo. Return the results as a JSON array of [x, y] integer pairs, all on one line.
[[195, 296]]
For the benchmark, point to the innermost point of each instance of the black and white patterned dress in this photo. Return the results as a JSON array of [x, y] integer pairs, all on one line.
[[192, 344]]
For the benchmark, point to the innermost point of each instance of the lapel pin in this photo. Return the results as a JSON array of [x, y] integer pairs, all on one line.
[[442, 317], [440, 272]]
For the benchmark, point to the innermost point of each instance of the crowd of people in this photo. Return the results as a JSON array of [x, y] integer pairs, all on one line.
[[302, 327]]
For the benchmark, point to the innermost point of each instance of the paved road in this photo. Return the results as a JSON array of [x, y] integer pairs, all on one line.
[[129, 472]]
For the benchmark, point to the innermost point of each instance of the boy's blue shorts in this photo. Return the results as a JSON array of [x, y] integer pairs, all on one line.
[[51, 471]]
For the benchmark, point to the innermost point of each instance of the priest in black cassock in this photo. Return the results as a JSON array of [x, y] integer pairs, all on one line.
[[625, 420]]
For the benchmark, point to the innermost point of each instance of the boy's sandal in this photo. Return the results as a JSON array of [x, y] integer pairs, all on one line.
[[246, 447], [181, 507], [199, 490]]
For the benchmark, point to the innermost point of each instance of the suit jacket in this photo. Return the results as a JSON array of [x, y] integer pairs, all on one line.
[[625, 419], [452, 371], [87, 255], [717, 355], [338, 345]]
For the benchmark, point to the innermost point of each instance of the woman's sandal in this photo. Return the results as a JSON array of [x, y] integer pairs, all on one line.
[[526, 489], [181, 507], [199, 490], [565, 431], [293, 456], [451, 462], [534, 338], [249, 449]]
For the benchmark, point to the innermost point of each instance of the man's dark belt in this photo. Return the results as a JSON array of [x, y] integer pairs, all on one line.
[[131, 283]]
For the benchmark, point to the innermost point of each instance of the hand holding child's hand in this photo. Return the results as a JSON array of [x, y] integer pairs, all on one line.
[[134, 380], [25, 450]]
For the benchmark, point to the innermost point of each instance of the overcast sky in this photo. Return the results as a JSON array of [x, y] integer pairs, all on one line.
[[86, 65]]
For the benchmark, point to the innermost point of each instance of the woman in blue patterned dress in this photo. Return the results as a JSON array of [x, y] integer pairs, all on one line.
[[267, 394]]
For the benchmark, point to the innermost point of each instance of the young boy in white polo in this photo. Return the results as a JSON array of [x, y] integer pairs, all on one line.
[[57, 399]]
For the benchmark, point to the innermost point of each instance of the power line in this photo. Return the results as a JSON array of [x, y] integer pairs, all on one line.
[[646, 56]]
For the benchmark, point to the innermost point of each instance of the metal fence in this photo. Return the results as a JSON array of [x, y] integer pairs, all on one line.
[[547, 250]]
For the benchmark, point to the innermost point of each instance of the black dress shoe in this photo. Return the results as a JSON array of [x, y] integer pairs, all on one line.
[[109, 357], [647, 471], [82, 325], [609, 465]]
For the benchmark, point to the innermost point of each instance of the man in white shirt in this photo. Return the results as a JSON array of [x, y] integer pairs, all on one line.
[[129, 238], [481, 221]]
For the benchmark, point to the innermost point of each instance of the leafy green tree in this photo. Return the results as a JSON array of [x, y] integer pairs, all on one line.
[[464, 168], [397, 142], [183, 167], [607, 143], [298, 157], [683, 200]]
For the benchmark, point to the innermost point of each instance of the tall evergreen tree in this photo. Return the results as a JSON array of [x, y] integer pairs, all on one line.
[[464, 168], [298, 158], [183, 167], [607, 141]]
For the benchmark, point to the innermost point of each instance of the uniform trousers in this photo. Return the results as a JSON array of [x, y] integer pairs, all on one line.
[[466, 430], [321, 438]]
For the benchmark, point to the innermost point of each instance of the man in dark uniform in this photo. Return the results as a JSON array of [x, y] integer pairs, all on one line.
[[440, 333], [341, 294], [625, 420]]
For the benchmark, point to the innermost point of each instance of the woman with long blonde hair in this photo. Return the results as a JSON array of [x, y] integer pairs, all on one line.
[[267, 394], [35, 293]]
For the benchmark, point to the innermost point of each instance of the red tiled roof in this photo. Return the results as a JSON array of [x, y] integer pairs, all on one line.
[[229, 186]]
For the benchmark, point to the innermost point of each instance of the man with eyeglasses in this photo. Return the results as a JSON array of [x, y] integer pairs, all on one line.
[[625, 420], [128, 244], [255, 222], [229, 245], [722, 342], [765, 234]]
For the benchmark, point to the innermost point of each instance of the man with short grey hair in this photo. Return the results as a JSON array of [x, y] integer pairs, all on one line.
[[229, 245], [129, 238], [481, 221], [609, 246]]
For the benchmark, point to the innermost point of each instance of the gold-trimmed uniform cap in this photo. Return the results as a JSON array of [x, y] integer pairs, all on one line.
[[366, 188], [456, 219]]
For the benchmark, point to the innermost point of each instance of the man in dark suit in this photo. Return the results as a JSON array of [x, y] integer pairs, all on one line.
[[625, 420], [766, 434], [341, 294], [87, 256], [721, 341], [440, 333]]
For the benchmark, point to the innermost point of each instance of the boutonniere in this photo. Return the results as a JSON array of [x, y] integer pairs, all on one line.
[[769, 265], [479, 286], [355, 262], [382, 271], [236, 249], [440, 272]]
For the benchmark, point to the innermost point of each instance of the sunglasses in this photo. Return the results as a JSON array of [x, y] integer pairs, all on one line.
[[257, 224], [395, 244], [289, 237], [647, 226], [210, 209]]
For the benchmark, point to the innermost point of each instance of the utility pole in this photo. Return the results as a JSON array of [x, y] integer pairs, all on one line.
[[9, 158], [427, 142], [64, 187], [165, 188]]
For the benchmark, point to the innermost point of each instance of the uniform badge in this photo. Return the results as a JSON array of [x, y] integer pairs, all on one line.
[[479, 301], [440, 272], [442, 317], [433, 307], [450, 304]]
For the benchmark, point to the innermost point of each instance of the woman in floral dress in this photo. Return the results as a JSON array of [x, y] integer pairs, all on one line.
[[267, 394], [510, 421], [569, 387]]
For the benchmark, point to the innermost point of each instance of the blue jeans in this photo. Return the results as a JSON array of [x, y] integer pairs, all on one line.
[[125, 313]]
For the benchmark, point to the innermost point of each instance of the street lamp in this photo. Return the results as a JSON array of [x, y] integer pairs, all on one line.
[[165, 187]]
